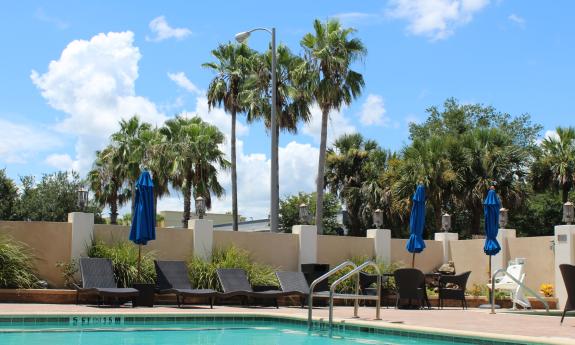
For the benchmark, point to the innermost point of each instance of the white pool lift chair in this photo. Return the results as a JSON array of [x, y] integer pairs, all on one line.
[[507, 284]]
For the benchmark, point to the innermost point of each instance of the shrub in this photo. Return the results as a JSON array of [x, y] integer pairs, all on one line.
[[203, 273], [124, 256], [68, 270], [348, 285], [16, 265]]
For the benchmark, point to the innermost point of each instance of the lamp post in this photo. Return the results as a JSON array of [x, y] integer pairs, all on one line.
[[303, 213], [200, 207], [274, 197], [82, 198], [568, 213], [378, 218], [446, 222]]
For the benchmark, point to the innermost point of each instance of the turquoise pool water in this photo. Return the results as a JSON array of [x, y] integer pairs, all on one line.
[[206, 331]]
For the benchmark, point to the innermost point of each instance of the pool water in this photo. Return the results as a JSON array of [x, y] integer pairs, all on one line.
[[106, 331]]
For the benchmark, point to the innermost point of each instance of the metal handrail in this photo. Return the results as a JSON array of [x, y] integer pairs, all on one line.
[[356, 271], [503, 270], [317, 281]]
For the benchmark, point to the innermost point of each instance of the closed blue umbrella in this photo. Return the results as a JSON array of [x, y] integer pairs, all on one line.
[[491, 207], [143, 227], [415, 244]]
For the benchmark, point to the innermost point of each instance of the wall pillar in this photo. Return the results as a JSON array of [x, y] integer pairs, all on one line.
[[564, 241], [381, 244], [307, 243], [203, 234], [82, 232], [445, 238]]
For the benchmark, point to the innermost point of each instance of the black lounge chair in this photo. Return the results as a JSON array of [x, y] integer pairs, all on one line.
[[410, 284], [568, 274], [98, 278], [453, 287], [295, 283], [172, 278], [234, 282], [367, 282]]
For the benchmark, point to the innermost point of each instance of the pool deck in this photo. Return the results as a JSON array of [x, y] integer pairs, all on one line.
[[471, 322]]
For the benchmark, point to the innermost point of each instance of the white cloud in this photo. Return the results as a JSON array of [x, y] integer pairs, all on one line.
[[217, 117], [338, 125], [93, 83], [520, 21], [62, 162], [358, 18], [551, 134], [373, 112], [20, 142], [182, 81], [435, 19], [163, 31], [41, 15]]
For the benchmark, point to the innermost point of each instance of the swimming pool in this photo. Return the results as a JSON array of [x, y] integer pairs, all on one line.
[[205, 330]]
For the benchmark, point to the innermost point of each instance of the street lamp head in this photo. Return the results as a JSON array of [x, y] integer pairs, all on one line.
[[378, 218], [241, 37], [446, 222], [200, 207], [503, 217], [303, 213], [82, 198], [568, 213]]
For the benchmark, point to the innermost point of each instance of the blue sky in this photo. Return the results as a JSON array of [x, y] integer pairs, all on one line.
[[71, 70]]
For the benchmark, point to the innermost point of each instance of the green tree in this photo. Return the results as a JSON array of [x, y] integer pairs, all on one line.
[[196, 158], [538, 215], [555, 165], [8, 196], [351, 173], [105, 180], [329, 54], [51, 199], [289, 211], [233, 66]]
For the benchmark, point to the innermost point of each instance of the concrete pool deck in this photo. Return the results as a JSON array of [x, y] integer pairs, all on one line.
[[471, 322]]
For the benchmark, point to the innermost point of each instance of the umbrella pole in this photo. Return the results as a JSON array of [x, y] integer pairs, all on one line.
[[139, 262], [413, 260]]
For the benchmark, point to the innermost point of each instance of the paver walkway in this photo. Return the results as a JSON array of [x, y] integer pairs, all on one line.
[[545, 328]]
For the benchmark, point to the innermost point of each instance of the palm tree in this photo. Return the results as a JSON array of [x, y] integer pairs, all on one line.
[[196, 158], [232, 68], [293, 96], [329, 53], [426, 162], [156, 158], [106, 182], [555, 166], [130, 152], [349, 171]]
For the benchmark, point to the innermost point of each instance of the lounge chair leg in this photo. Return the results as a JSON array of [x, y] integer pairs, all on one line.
[[178, 301], [212, 302], [563, 316], [276, 302], [397, 302]]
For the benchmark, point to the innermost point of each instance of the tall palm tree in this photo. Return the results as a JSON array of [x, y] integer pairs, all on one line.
[[131, 148], [555, 166], [293, 96], [195, 159], [329, 54], [349, 165], [156, 158], [106, 182], [232, 68]]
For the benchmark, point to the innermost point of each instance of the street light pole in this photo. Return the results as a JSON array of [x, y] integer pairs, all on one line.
[[274, 182]]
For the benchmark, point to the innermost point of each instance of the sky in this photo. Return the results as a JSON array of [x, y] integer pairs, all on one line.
[[71, 70]]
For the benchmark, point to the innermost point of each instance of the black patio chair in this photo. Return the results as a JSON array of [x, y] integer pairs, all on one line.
[[98, 279], [568, 274], [294, 282], [453, 287], [367, 282], [234, 282], [172, 278], [410, 284]]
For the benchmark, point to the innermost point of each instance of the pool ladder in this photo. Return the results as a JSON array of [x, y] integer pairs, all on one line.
[[332, 295]]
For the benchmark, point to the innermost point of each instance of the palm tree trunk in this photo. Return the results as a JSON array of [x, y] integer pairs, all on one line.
[[114, 212], [234, 176], [133, 191], [565, 192], [437, 215], [187, 191], [476, 220], [320, 172]]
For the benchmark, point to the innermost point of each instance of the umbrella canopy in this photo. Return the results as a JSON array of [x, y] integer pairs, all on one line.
[[491, 207], [415, 243], [144, 219]]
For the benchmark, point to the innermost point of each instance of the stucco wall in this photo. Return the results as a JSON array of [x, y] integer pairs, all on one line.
[[333, 250], [49, 242], [540, 259], [468, 256], [170, 244], [426, 261], [277, 250]]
